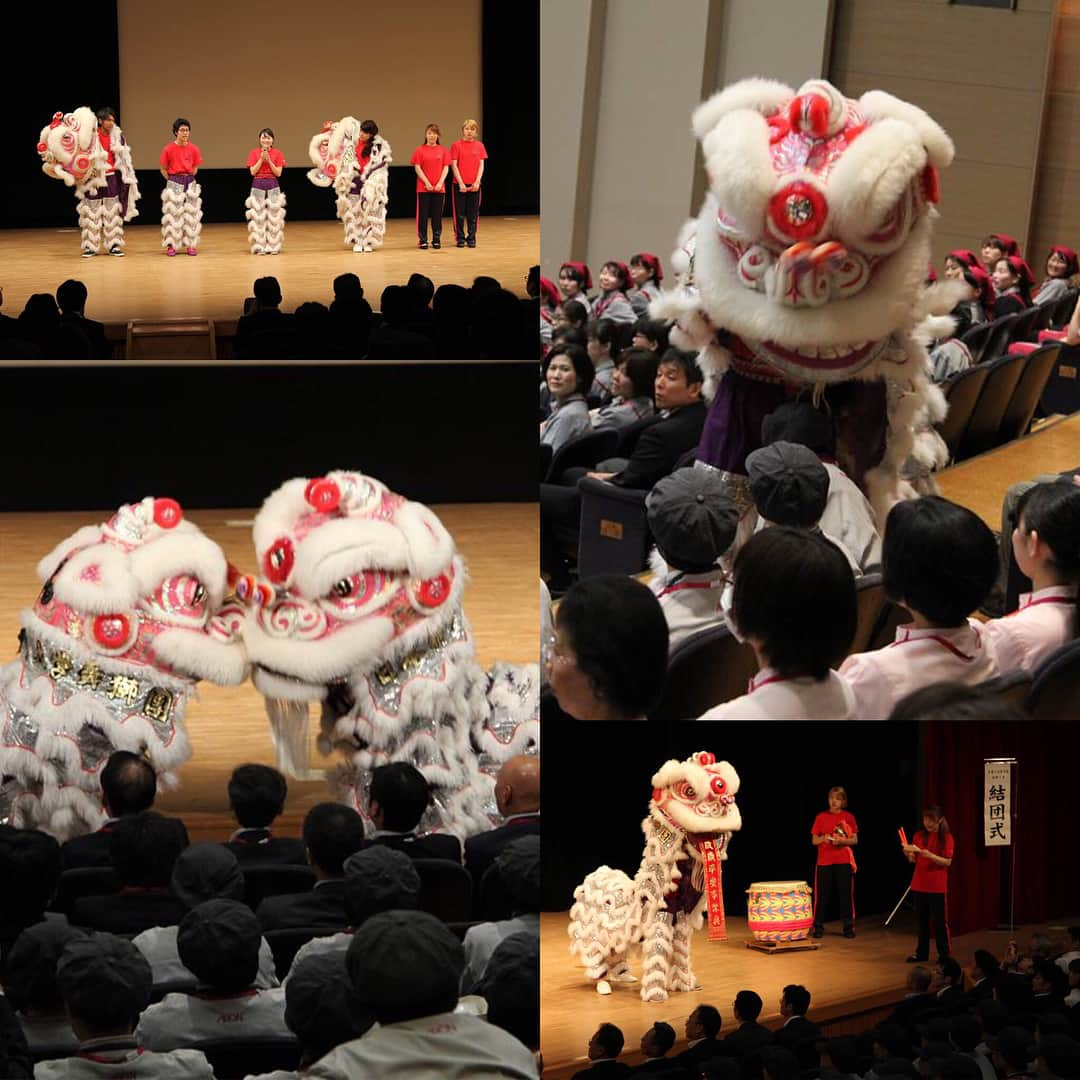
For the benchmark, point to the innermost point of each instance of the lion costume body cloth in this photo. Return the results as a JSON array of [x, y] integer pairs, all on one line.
[[803, 274]]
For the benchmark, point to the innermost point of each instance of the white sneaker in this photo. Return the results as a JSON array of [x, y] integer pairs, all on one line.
[[359, 247], [87, 253], [116, 250], [257, 251]]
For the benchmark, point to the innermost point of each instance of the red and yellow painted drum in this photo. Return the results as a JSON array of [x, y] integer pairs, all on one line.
[[779, 910]]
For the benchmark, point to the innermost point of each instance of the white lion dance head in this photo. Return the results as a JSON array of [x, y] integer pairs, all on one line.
[[131, 615], [333, 153], [360, 608], [70, 150], [805, 266], [692, 815]]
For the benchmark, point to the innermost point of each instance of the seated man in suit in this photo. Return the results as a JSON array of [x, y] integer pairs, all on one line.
[[332, 832], [30, 869], [71, 300], [128, 786], [257, 795], [655, 1044], [604, 1048], [517, 795], [918, 1004], [984, 972], [749, 1037], [798, 1034], [671, 432], [948, 986], [399, 796], [263, 322], [143, 847], [702, 1029]]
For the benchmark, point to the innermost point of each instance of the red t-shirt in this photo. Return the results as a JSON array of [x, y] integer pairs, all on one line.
[[276, 157], [180, 160], [825, 825], [928, 876], [106, 144], [431, 160], [468, 155]]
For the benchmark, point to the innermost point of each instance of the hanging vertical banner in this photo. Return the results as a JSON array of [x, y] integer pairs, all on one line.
[[997, 804]]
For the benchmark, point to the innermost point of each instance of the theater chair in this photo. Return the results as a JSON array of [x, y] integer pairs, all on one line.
[[961, 392], [263, 881], [703, 671], [1055, 686], [285, 944], [614, 536], [83, 881], [982, 431], [445, 889], [583, 452], [1063, 310], [998, 337], [1026, 324], [233, 1059], [976, 338], [1062, 391], [1034, 376], [1013, 688]]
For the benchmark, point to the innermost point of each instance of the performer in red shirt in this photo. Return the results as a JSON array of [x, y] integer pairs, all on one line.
[[266, 203], [467, 157], [111, 205], [931, 850], [834, 834], [181, 198], [432, 162]]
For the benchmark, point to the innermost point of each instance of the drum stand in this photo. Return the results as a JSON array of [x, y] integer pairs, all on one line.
[[773, 947]]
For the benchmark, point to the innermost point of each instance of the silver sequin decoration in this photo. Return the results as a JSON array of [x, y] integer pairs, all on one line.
[[94, 746], [20, 729], [388, 683]]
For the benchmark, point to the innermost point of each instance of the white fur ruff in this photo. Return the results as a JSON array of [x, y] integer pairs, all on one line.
[[181, 215], [265, 213]]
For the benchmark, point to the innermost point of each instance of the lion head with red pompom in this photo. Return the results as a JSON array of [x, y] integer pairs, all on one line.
[[697, 795]]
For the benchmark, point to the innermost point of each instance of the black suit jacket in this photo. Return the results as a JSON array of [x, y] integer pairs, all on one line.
[[128, 912], [661, 445], [748, 1038], [915, 1010], [89, 850], [322, 907], [799, 1035], [705, 1050], [662, 1066], [602, 1070], [482, 850], [100, 349], [432, 846], [257, 847]]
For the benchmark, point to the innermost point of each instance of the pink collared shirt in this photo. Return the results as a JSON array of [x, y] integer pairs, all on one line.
[[917, 658], [1044, 621], [772, 697]]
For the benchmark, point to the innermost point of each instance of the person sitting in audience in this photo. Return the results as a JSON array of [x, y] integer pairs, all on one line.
[[603, 338], [105, 982], [394, 338], [839, 1059], [783, 578], [421, 290], [604, 1048], [144, 848], [32, 860], [257, 796], [965, 1033], [939, 562], [517, 797], [511, 988], [609, 657], [997, 246], [984, 973], [350, 317], [693, 522], [398, 798], [702, 1031], [655, 1044], [575, 281], [750, 1036], [798, 1034], [1012, 282], [950, 355], [128, 786], [612, 303], [40, 327], [1049, 985], [1046, 545], [202, 872], [450, 306], [961, 266], [646, 273], [1072, 998], [219, 942], [332, 832], [776, 1063], [568, 374], [549, 301], [71, 299], [848, 518], [266, 321], [313, 334], [948, 985], [1011, 1052], [518, 869], [1058, 1057], [570, 315], [918, 1004], [1061, 265], [32, 990], [632, 388], [376, 879], [406, 966], [651, 334]]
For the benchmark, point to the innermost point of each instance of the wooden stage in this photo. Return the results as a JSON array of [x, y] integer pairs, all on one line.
[[852, 983], [228, 726], [146, 284]]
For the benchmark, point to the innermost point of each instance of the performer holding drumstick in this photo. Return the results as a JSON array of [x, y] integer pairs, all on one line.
[[834, 834], [931, 850]]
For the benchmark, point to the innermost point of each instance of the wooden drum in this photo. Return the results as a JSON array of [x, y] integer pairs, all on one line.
[[779, 910]]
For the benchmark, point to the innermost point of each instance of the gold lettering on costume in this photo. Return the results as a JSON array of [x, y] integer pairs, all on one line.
[[61, 665], [158, 704], [75, 627], [91, 675], [124, 688]]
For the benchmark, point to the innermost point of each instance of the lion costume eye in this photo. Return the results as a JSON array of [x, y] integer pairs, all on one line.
[[358, 594], [684, 791]]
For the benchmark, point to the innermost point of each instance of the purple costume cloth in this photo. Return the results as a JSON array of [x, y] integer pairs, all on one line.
[[185, 180], [114, 188], [264, 183], [685, 897]]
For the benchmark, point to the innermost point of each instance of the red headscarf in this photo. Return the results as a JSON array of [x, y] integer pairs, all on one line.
[[964, 257], [624, 270], [653, 263], [1070, 258], [983, 285], [1008, 244], [582, 270], [549, 292]]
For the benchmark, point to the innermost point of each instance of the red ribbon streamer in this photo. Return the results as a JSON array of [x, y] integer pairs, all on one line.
[[714, 893]]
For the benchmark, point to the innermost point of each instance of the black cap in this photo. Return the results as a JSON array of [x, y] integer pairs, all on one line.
[[518, 866], [321, 1008], [218, 941], [788, 483], [104, 979], [692, 518], [30, 971], [511, 987], [206, 872], [379, 878]]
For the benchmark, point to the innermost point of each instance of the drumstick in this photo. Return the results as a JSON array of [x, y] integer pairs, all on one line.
[[903, 836]]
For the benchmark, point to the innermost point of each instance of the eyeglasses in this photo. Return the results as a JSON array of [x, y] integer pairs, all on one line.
[[551, 654]]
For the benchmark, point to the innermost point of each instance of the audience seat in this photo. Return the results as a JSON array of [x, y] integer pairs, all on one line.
[[961, 392], [1034, 375], [628, 437], [173, 986], [870, 599], [703, 671], [171, 339], [1062, 391], [492, 900], [982, 431], [614, 535], [1013, 688], [1025, 326], [1055, 685], [233, 1059], [445, 889], [263, 881], [585, 452], [84, 881], [976, 338], [285, 944], [545, 460], [998, 337], [1063, 310]]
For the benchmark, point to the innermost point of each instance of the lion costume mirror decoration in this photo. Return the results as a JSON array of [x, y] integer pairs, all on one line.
[[131, 615], [359, 608], [803, 273], [692, 815]]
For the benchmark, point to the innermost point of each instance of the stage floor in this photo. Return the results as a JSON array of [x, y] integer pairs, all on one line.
[[228, 726], [847, 980], [146, 284]]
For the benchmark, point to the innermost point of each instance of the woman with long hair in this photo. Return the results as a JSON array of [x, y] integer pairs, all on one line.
[[931, 850]]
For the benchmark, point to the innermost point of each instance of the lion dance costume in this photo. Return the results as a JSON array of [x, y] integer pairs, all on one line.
[[359, 607], [131, 615], [803, 273], [692, 815], [71, 151], [265, 213], [359, 184]]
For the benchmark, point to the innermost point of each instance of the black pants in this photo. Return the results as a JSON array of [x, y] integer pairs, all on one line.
[[833, 895], [466, 209], [931, 905], [429, 204]]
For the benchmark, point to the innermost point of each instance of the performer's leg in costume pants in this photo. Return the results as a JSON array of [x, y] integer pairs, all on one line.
[[266, 218]]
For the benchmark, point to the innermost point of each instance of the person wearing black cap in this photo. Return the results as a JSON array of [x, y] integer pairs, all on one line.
[[693, 523], [218, 942], [511, 987], [105, 982], [257, 796], [406, 967], [202, 872], [32, 859], [377, 879], [517, 797], [398, 797], [794, 602]]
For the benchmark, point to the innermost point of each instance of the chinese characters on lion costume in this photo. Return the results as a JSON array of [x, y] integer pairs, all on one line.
[[803, 274], [692, 815]]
